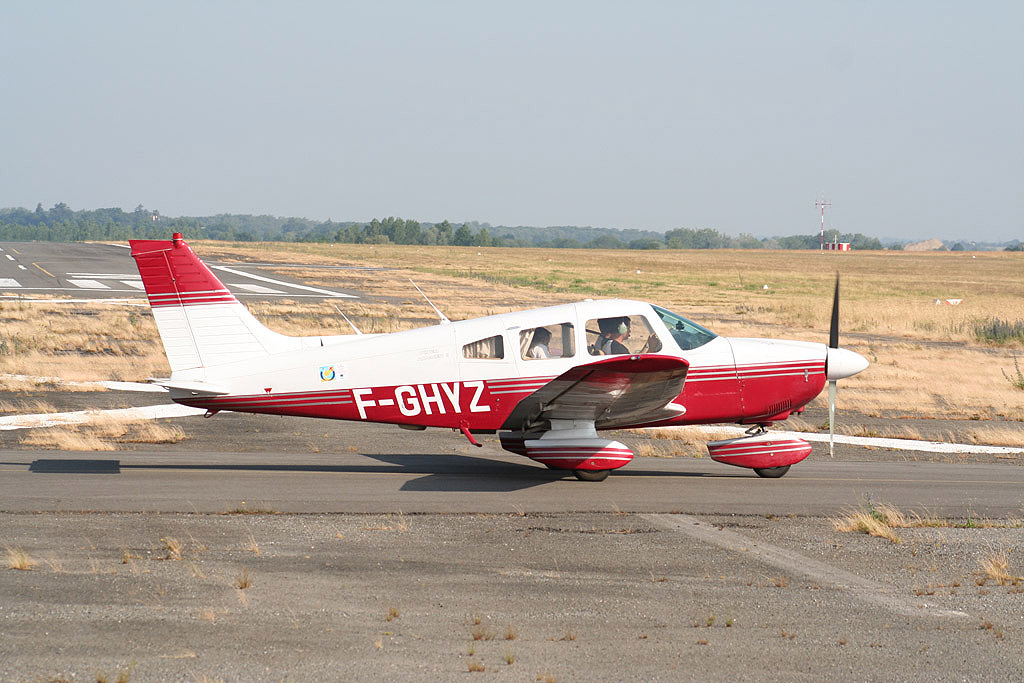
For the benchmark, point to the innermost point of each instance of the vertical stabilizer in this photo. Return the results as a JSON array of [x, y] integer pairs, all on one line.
[[201, 323]]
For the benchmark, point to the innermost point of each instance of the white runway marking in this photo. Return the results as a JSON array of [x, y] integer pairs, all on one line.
[[279, 283], [21, 267], [10, 422], [893, 444], [89, 284], [9, 257], [258, 289], [9, 282], [116, 386], [106, 276], [791, 562], [137, 284]]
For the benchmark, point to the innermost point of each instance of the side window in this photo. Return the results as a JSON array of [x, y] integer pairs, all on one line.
[[550, 341], [622, 334], [492, 348]]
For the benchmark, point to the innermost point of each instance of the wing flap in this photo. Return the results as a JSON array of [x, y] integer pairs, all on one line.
[[611, 392]]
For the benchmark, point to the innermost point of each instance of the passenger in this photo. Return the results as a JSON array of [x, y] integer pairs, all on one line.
[[614, 331], [539, 344]]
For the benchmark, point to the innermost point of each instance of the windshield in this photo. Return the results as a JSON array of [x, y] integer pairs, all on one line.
[[688, 334]]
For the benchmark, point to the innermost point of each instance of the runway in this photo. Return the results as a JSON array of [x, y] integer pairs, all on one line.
[[485, 481], [94, 272]]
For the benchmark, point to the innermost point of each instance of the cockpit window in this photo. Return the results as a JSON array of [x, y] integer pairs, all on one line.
[[688, 334]]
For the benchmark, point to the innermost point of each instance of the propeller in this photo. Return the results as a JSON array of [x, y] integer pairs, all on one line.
[[839, 363], [833, 343]]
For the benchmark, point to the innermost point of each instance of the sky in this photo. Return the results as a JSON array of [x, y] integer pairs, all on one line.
[[908, 116]]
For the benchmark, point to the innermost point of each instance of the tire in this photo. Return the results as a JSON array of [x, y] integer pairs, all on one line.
[[771, 472], [591, 475]]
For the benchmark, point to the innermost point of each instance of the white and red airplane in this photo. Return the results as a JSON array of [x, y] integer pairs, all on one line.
[[547, 380]]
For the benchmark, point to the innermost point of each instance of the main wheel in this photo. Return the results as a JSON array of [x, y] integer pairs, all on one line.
[[591, 475], [771, 472]]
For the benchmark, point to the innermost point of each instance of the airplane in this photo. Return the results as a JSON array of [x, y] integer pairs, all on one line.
[[546, 380]]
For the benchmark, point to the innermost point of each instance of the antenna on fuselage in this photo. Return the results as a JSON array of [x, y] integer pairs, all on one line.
[[356, 329], [442, 316]]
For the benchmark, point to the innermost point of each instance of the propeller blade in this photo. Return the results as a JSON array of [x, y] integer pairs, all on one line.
[[833, 330], [831, 418]]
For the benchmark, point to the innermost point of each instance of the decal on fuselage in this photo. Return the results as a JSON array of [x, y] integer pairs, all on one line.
[[417, 399]]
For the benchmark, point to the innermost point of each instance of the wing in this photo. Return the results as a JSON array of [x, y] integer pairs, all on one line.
[[611, 392]]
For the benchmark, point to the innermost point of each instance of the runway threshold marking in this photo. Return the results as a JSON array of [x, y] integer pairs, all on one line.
[[862, 589], [281, 283]]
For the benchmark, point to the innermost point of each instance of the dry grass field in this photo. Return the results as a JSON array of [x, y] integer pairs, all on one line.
[[928, 360]]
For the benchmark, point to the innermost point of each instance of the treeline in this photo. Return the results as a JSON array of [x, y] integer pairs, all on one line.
[[61, 224]]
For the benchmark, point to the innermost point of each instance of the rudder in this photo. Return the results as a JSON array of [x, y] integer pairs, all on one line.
[[201, 323]]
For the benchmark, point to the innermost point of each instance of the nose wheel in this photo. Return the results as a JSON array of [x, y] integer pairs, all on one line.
[[771, 472], [591, 475]]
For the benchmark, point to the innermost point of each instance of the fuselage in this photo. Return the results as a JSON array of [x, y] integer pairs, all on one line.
[[471, 374]]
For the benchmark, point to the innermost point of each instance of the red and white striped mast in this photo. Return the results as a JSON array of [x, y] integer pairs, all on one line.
[[822, 203]]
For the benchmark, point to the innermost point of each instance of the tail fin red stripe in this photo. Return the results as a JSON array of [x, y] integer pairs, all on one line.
[[173, 275]]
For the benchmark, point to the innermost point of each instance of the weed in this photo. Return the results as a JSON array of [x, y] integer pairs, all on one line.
[[480, 632], [242, 581], [1017, 379], [392, 614], [476, 667], [19, 559], [787, 634], [997, 568], [253, 546], [702, 642], [510, 633], [127, 556], [510, 658], [999, 331], [172, 548], [53, 563], [778, 582]]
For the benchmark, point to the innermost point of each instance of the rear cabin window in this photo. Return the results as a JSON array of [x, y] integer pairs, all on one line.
[[549, 341], [490, 348], [624, 334]]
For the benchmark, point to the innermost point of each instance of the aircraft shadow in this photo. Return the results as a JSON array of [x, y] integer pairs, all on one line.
[[440, 472], [67, 466]]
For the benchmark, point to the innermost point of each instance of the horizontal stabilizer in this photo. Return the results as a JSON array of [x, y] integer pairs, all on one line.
[[192, 388]]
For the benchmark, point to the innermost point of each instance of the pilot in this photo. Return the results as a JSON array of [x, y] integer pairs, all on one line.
[[539, 344], [614, 331]]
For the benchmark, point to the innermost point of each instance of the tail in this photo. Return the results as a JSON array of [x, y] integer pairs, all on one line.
[[201, 323]]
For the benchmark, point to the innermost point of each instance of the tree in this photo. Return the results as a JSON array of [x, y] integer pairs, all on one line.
[[646, 243], [463, 237], [444, 232]]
